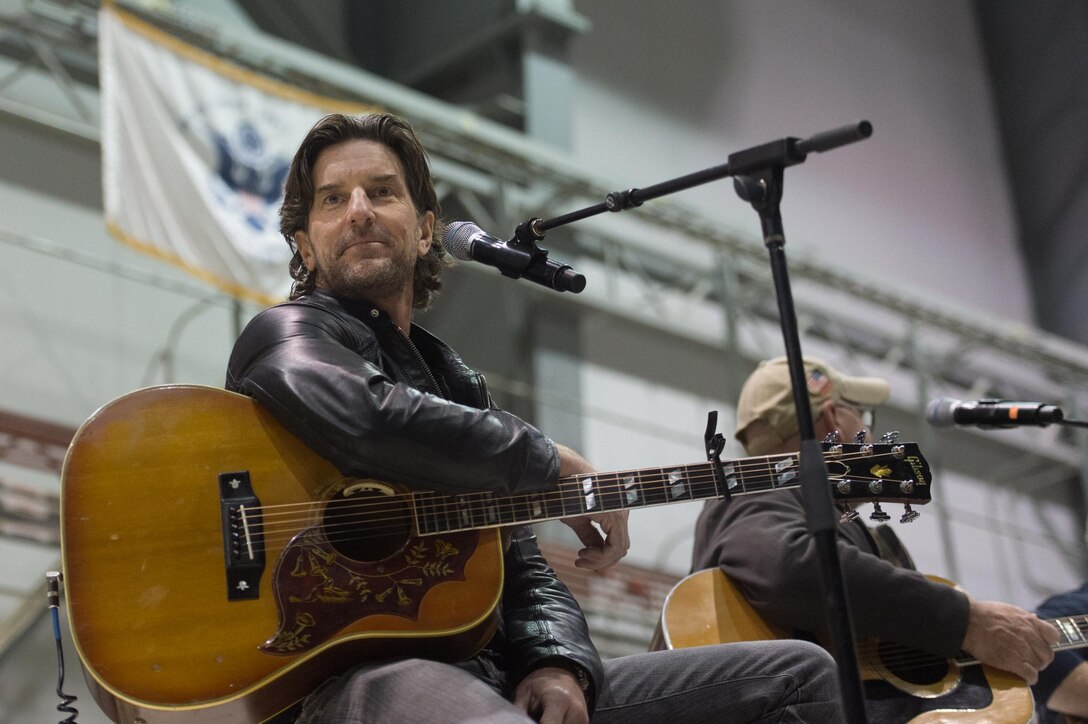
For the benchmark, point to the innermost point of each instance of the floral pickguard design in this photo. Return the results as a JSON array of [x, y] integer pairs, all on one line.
[[319, 591]]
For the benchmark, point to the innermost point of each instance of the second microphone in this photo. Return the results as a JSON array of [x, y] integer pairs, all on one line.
[[468, 242]]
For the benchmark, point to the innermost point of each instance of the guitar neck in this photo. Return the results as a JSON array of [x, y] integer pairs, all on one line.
[[603, 492], [1072, 634], [1073, 631]]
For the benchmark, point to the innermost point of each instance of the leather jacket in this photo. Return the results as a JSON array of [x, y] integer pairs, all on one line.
[[404, 408]]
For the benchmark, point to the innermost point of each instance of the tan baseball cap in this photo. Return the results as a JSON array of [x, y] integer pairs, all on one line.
[[767, 397]]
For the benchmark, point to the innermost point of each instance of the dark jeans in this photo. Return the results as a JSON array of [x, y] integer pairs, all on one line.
[[766, 681]]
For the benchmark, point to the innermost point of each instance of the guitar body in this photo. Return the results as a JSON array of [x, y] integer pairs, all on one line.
[[169, 632], [216, 569], [708, 608]]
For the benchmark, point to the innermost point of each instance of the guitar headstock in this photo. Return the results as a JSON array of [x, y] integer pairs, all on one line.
[[883, 472]]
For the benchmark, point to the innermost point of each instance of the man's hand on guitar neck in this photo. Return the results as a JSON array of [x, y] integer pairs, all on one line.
[[1009, 638], [601, 551]]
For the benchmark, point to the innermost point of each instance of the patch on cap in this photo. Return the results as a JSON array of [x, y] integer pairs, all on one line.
[[818, 383]]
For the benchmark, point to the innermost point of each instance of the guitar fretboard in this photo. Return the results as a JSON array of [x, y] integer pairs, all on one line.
[[1073, 631], [602, 492]]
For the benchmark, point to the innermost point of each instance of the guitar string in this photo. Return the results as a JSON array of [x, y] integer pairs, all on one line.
[[445, 507], [276, 514], [508, 504], [906, 658], [442, 507], [619, 478]]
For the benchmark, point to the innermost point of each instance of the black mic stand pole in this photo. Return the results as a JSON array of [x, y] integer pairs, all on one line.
[[758, 175], [762, 188]]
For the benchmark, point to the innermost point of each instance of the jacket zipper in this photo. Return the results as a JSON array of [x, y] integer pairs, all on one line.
[[422, 363]]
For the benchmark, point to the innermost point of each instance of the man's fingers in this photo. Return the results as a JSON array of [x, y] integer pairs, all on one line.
[[521, 699], [1027, 672], [585, 531]]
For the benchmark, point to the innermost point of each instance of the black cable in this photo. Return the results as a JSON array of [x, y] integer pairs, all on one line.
[[53, 596]]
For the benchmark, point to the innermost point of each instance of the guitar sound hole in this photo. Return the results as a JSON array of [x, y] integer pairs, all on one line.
[[911, 665], [367, 526]]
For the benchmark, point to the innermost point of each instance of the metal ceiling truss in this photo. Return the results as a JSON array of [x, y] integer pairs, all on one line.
[[501, 178]]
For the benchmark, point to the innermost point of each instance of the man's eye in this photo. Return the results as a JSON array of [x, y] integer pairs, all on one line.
[[332, 198], [383, 191]]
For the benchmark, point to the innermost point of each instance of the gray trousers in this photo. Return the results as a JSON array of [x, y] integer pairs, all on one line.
[[766, 681]]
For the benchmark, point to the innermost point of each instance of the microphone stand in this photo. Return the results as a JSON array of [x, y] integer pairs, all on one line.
[[758, 176]]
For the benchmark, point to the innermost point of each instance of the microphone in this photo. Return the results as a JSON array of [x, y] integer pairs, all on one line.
[[466, 241], [945, 411]]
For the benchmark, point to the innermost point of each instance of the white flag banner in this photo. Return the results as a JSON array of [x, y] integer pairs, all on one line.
[[195, 152]]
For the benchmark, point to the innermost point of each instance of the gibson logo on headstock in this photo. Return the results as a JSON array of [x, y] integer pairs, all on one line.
[[919, 470]]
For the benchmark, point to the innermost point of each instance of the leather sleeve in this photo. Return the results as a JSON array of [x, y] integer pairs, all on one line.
[[762, 543], [544, 624], [310, 368]]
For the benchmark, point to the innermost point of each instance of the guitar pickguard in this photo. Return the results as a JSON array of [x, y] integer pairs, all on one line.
[[320, 591]]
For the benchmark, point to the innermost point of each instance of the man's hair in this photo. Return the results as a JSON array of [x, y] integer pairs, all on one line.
[[393, 132]]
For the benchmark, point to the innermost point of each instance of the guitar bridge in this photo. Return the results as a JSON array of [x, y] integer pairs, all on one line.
[[243, 536]]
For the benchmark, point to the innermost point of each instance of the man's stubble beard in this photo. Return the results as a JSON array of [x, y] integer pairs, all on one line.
[[376, 279]]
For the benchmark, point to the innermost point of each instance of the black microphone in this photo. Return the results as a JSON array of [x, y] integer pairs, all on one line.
[[466, 241], [945, 411]]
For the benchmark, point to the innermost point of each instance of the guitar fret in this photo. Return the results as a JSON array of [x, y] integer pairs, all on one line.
[[734, 482], [631, 491], [702, 481], [530, 507], [608, 493], [677, 485], [1070, 629], [785, 471], [654, 492], [570, 498], [464, 512], [450, 512], [490, 509], [543, 506], [426, 513], [589, 494], [507, 511]]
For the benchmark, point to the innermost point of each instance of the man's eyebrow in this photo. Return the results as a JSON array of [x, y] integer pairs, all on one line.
[[382, 178]]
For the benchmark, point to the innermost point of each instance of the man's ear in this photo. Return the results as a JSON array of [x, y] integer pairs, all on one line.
[[827, 420], [305, 249], [426, 233]]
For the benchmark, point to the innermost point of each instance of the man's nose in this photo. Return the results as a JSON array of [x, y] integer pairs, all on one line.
[[360, 210]]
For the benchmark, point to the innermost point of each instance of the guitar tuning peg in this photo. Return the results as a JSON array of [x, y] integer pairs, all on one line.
[[848, 513], [890, 436], [909, 516], [878, 514], [832, 437], [859, 438]]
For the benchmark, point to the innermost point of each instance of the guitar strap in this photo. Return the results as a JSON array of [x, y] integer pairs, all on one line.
[[889, 547]]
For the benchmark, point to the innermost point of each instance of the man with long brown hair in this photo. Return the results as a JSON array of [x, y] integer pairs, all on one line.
[[343, 367]]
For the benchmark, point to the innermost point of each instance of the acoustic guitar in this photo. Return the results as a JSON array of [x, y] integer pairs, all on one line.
[[900, 684], [217, 569]]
